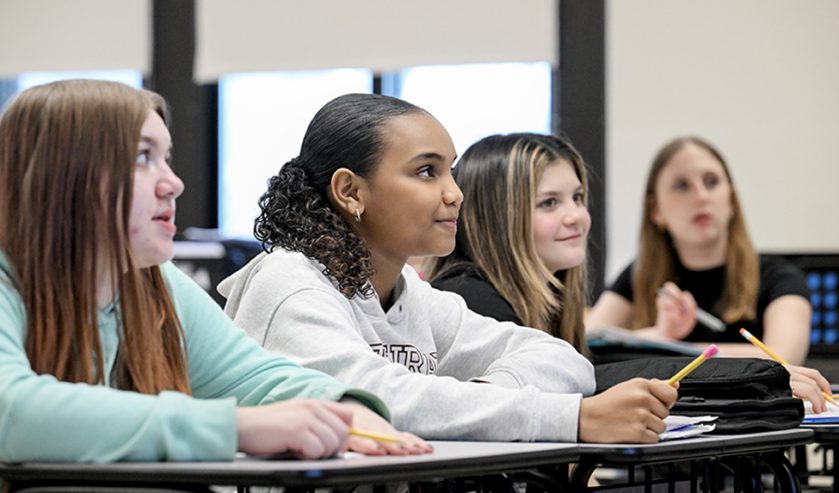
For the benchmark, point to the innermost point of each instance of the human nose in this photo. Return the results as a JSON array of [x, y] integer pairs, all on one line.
[[572, 216], [452, 195], [701, 192], [169, 184]]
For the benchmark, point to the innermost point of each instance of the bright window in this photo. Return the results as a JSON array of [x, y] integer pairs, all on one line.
[[473, 101], [263, 117], [262, 120], [10, 87], [131, 77]]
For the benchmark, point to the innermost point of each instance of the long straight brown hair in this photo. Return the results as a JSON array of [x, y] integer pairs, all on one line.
[[499, 176], [657, 257], [67, 154]]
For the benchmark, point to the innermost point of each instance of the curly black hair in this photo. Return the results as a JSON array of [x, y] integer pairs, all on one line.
[[298, 218], [296, 213]]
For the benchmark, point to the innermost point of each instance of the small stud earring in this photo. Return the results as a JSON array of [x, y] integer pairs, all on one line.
[[357, 216]]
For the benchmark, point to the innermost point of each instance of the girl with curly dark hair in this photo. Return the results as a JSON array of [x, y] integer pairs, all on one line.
[[373, 186]]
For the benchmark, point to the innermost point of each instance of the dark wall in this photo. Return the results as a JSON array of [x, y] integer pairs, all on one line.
[[194, 110], [580, 93]]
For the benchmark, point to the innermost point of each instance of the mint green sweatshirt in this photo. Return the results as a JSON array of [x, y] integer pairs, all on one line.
[[43, 419]]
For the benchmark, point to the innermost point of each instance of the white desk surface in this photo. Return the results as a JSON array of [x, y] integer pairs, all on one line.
[[449, 459]]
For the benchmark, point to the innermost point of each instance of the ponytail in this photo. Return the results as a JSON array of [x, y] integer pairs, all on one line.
[[297, 217]]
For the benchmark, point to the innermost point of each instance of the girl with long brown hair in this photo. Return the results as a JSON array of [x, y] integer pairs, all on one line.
[[695, 252], [98, 328], [520, 253]]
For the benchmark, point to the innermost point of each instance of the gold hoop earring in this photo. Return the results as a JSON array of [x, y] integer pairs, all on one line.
[[357, 216]]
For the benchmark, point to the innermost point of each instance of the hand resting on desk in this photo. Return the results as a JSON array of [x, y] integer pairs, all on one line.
[[315, 429], [808, 384], [366, 419], [630, 412]]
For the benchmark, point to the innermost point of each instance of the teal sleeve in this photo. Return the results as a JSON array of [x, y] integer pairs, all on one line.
[[225, 361], [369, 400], [42, 419]]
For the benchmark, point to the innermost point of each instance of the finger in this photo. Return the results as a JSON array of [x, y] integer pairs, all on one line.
[[415, 444], [671, 288], [655, 424], [664, 392], [807, 391], [658, 408], [689, 300], [343, 411], [821, 382], [308, 446], [395, 448], [363, 445], [332, 417], [804, 373], [649, 436], [331, 439]]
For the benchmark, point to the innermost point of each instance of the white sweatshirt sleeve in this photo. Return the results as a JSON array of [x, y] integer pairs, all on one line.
[[315, 326], [471, 346]]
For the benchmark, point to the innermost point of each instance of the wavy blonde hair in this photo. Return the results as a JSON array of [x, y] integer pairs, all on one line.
[[499, 176], [67, 154], [657, 257]]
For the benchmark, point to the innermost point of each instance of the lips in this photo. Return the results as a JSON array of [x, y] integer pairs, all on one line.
[[570, 237], [167, 220], [166, 215], [703, 218]]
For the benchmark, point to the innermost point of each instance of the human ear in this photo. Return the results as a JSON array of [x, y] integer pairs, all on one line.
[[655, 213], [346, 188]]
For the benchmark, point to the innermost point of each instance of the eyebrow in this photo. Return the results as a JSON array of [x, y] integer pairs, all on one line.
[[560, 192], [153, 142], [430, 155]]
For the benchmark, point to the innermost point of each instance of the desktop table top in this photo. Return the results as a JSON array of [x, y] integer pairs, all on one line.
[[693, 448], [449, 459]]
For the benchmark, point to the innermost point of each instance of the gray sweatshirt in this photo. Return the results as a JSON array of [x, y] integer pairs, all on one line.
[[425, 357]]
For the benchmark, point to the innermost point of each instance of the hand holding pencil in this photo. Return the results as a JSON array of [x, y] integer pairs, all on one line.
[[806, 383], [676, 312], [629, 412]]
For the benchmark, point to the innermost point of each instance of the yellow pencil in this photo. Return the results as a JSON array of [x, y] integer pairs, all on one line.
[[709, 352], [375, 436], [757, 342]]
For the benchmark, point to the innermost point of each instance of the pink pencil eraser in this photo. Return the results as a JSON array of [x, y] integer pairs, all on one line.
[[710, 351]]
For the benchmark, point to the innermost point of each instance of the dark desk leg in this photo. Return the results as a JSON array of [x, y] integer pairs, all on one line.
[[706, 476], [693, 476], [784, 472], [745, 473], [580, 475]]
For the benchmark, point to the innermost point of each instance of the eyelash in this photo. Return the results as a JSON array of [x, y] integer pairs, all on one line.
[[426, 169], [146, 154]]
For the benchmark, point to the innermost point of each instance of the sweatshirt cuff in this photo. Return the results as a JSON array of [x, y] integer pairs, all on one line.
[[368, 400], [204, 429], [564, 425]]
